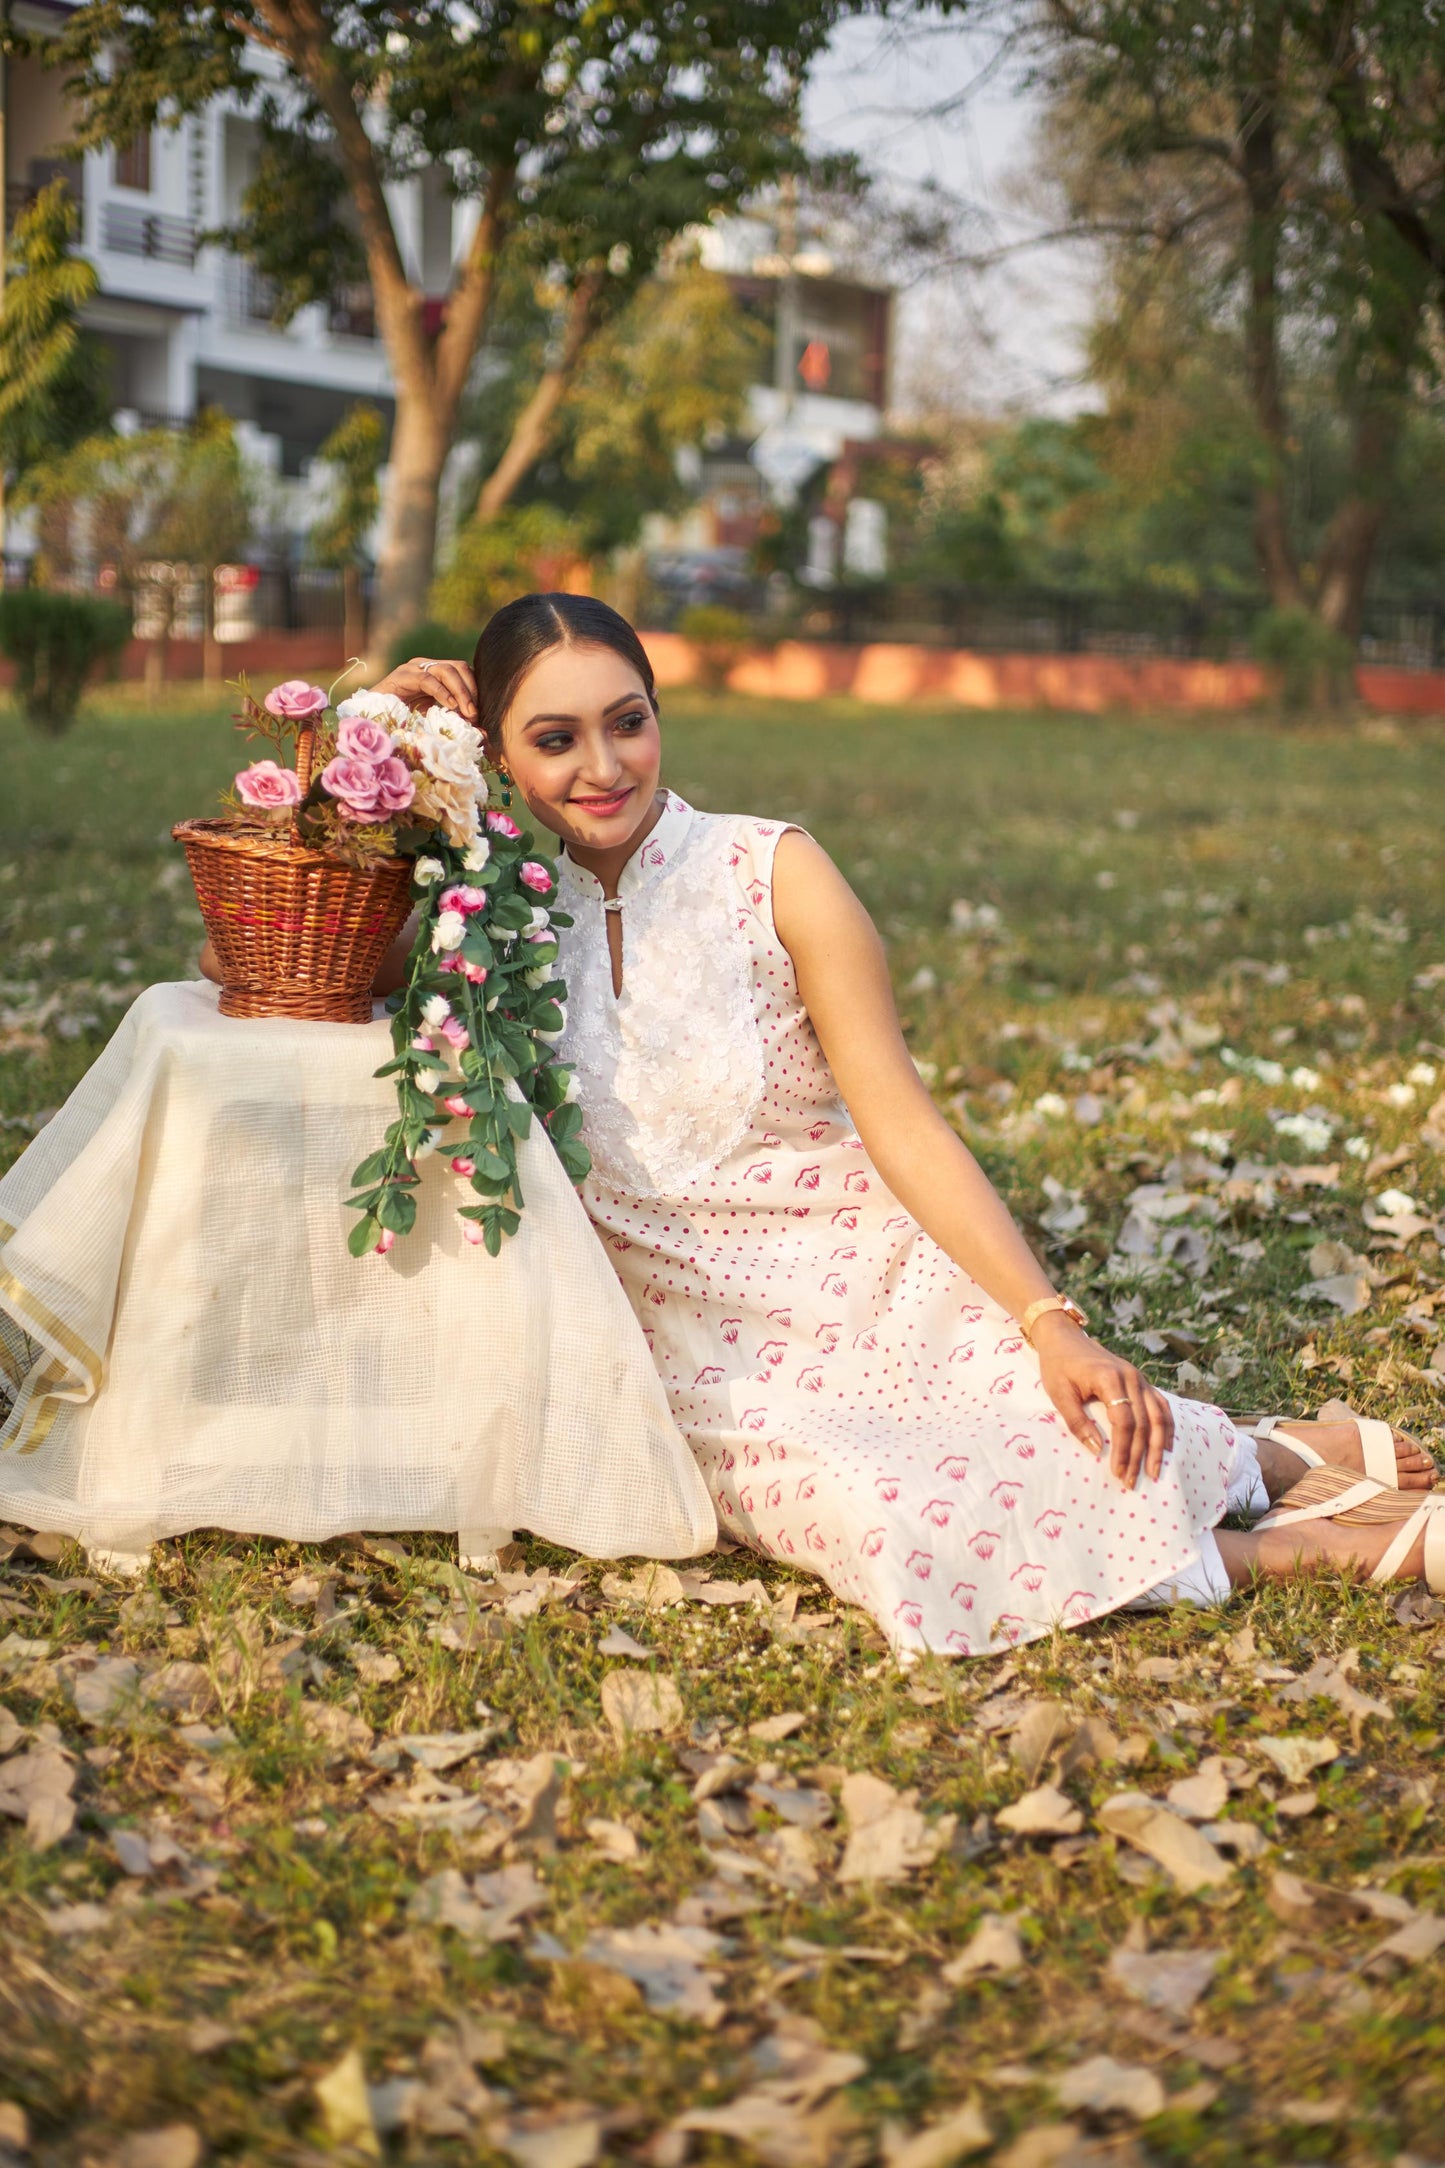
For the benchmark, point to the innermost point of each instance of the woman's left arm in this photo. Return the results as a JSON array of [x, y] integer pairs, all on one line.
[[843, 980]]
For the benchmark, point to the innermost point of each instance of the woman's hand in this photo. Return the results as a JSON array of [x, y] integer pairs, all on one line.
[[440, 684], [1076, 1370]]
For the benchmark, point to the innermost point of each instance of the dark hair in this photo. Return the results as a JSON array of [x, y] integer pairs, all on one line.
[[515, 636]]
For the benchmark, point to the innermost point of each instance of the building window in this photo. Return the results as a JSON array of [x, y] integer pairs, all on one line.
[[133, 163]]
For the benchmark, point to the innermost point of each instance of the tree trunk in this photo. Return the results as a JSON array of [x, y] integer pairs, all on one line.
[[420, 442], [1260, 170], [532, 429], [155, 663], [353, 613]]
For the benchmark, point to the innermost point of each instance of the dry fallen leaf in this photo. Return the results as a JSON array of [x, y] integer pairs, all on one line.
[[618, 1642], [345, 1735], [1168, 1980], [1413, 1943], [1202, 1797], [568, 2135], [772, 1729], [345, 2106], [489, 1909], [1101, 2086], [634, 1701], [105, 1688], [958, 2135], [788, 2118], [1043, 1729], [665, 1960], [614, 1840], [444, 1749], [1295, 1757], [177, 2145], [1177, 1846], [887, 1836], [993, 1947], [1045, 1812]]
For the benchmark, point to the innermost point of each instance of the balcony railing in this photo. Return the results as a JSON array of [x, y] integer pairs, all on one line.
[[131, 231]]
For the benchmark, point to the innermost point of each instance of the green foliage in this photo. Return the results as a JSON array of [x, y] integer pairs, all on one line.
[[529, 547], [442, 642], [354, 451], [293, 226], [174, 494], [54, 641], [509, 1013], [720, 636], [1312, 666], [52, 374]]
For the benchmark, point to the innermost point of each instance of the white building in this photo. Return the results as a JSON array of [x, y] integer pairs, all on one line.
[[188, 325]]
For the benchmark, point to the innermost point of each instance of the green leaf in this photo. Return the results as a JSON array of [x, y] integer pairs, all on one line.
[[364, 1236], [397, 1210], [519, 1118], [371, 1170]]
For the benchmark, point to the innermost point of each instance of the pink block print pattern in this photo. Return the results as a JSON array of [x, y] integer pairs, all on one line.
[[856, 1402]]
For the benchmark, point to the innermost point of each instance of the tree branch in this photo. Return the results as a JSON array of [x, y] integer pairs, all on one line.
[[471, 296], [533, 425]]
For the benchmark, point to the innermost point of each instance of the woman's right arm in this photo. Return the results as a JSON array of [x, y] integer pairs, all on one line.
[[444, 684]]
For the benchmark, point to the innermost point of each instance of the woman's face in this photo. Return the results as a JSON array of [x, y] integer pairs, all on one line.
[[583, 747]]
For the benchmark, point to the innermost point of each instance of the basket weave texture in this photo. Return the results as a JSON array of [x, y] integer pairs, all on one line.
[[296, 933]]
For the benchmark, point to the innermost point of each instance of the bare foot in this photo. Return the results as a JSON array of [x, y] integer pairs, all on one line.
[[1339, 1443], [1283, 1553]]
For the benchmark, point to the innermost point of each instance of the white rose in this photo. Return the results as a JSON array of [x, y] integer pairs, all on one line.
[[448, 932], [444, 758], [374, 708], [429, 1143], [573, 1092], [534, 979], [476, 858], [540, 919], [436, 1008], [448, 724], [427, 871]]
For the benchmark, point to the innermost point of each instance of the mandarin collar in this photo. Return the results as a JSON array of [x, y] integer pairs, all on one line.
[[653, 855]]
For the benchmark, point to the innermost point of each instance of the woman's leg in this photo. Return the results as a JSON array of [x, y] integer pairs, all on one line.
[[1302, 1547], [1340, 1444]]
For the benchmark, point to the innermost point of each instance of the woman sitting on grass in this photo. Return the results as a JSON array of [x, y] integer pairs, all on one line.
[[873, 1371]]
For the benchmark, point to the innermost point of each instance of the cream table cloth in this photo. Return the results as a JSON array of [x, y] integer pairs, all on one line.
[[189, 1343]]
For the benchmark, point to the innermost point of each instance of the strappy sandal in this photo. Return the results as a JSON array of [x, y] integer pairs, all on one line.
[[1362, 1501], [1377, 1443]]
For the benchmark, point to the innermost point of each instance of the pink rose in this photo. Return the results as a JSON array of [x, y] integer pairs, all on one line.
[[535, 876], [502, 824], [394, 786], [474, 973], [354, 783], [472, 1233], [455, 1032], [295, 701], [361, 739], [265, 785], [464, 899], [463, 1166], [455, 1104], [388, 1234]]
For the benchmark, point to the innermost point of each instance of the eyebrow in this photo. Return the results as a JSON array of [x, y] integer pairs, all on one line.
[[625, 701]]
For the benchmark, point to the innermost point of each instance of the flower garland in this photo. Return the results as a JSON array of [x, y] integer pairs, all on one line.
[[476, 1024]]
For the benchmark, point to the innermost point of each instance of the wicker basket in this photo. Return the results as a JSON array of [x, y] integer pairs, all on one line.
[[295, 932]]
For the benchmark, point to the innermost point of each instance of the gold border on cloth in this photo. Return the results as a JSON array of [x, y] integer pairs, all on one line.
[[46, 1385]]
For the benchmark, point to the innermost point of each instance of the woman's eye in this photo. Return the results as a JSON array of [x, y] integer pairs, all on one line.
[[555, 741], [631, 722]]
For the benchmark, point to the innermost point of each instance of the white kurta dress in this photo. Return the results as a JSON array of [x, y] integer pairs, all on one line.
[[855, 1400]]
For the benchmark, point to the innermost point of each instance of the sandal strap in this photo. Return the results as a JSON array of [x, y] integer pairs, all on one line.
[[1358, 1493], [1377, 1444], [1396, 1552], [1268, 1427]]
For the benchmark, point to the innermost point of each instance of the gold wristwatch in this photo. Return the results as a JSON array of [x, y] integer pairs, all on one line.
[[1041, 1308]]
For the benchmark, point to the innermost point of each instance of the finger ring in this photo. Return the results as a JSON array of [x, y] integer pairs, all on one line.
[[424, 667], [1121, 1402]]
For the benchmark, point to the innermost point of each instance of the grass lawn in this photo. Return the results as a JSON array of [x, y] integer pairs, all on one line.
[[1208, 959]]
